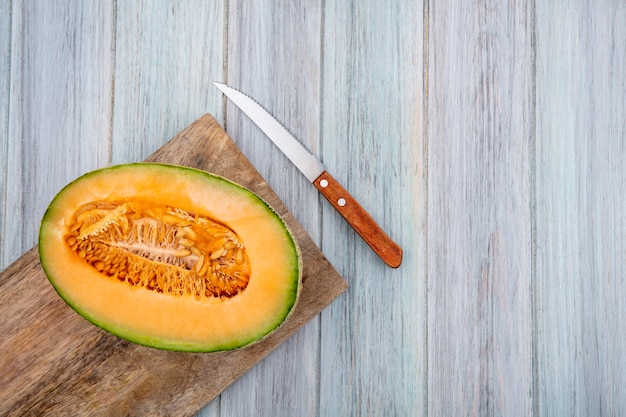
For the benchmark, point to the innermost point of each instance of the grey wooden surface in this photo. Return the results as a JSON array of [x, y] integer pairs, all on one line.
[[486, 137]]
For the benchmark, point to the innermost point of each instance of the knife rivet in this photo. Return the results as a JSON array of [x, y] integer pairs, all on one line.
[[324, 183], [341, 202]]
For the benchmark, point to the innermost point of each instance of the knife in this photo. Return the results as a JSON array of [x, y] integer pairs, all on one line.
[[312, 168]]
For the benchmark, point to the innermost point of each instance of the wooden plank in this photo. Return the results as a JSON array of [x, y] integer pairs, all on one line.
[[56, 363], [581, 220], [373, 339], [59, 109], [5, 78], [479, 208], [274, 56], [167, 52]]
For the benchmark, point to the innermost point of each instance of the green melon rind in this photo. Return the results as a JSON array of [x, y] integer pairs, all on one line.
[[245, 340]]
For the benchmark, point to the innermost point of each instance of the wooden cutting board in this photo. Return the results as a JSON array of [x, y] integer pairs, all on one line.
[[54, 362]]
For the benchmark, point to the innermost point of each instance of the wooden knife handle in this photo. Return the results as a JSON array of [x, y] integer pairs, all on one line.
[[359, 219]]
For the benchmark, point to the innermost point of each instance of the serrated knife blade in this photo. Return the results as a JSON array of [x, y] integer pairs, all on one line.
[[389, 251]]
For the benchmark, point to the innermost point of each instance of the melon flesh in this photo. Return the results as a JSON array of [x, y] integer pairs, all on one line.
[[170, 257]]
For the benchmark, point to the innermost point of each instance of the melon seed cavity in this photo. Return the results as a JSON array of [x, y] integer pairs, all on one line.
[[159, 248]]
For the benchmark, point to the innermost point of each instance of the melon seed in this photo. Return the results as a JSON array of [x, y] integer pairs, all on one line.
[[218, 254], [180, 253], [196, 251], [199, 263], [186, 242], [190, 233]]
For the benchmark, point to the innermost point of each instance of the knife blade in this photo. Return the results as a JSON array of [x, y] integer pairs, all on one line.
[[313, 169]]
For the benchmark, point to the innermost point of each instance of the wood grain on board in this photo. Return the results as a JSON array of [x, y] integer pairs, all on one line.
[[581, 209], [56, 363], [480, 88]]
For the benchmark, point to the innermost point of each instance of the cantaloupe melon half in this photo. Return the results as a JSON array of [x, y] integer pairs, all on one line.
[[170, 257]]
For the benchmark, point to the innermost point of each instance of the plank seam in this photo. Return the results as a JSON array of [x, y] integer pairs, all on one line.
[[113, 67], [533, 215], [425, 64]]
